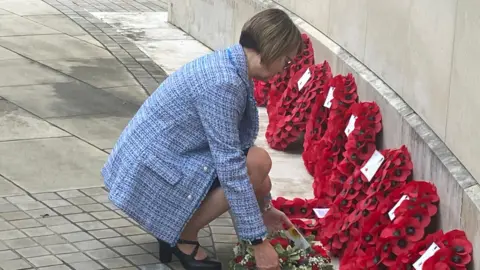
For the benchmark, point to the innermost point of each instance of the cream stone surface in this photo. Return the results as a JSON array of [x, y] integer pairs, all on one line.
[[428, 61], [463, 128], [350, 31], [385, 46]]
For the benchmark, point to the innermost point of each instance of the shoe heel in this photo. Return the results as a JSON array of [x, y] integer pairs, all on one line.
[[165, 252]]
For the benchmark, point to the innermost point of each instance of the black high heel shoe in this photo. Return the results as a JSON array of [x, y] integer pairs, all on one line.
[[188, 261]]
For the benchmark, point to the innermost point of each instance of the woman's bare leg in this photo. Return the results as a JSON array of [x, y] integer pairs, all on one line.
[[215, 203]]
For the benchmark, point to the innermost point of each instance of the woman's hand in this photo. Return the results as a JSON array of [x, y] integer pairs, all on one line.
[[275, 220], [266, 257]]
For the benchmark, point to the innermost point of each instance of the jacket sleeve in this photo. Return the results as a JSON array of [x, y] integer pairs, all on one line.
[[220, 112]]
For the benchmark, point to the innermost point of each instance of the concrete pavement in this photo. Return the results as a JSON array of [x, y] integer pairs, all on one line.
[[72, 74]]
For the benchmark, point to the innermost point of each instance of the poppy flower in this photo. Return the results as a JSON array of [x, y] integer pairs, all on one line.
[[279, 203], [261, 92], [363, 135], [319, 250], [407, 228], [360, 155], [454, 250], [296, 208], [440, 260], [457, 240], [283, 242], [371, 228]]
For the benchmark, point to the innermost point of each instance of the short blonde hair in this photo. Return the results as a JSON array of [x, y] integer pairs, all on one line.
[[272, 34]]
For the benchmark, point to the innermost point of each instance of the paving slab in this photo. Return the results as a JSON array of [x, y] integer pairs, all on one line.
[[49, 47], [4, 12], [6, 54], [89, 39], [134, 94], [27, 7], [157, 34], [60, 23], [18, 124], [135, 20], [100, 130], [101, 73], [65, 99], [172, 54], [143, 25], [119, 5], [26, 72], [7, 188], [60, 164], [165, 44], [61, 243], [14, 25]]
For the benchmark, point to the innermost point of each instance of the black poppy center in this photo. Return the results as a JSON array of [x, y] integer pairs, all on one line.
[[456, 258], [410, 230], [459, 249], [368, 238], [418, 217]]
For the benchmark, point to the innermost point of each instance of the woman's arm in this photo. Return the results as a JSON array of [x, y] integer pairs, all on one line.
[[220, 111]]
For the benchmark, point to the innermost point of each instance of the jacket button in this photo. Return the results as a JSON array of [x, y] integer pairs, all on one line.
[[205, 168], [189, 197]]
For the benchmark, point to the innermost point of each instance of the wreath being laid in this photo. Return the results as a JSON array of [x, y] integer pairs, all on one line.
[[291, 257]]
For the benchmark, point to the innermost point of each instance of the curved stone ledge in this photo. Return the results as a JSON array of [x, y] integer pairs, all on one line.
[[211, 22]]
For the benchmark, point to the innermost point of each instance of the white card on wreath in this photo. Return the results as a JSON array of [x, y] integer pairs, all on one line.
[[304, 79], [418, 265], [351, 125], [328, 100], [391, 213], [294, 235], [320, 212], [372, 165]]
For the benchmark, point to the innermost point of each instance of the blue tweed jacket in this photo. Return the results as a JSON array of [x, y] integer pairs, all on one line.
[[192, 129]]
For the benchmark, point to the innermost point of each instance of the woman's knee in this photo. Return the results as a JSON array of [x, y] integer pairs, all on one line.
[[259, 164], [258, 161]]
